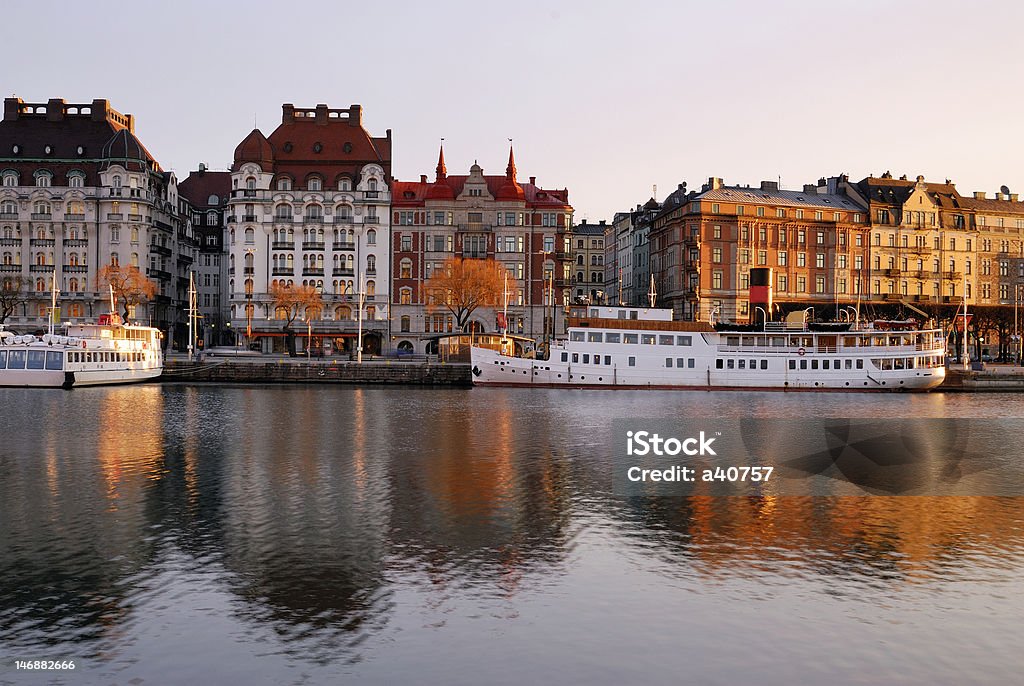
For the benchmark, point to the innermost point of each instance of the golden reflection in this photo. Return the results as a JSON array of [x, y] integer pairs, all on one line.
[[193, 420], [130, 437], [361, 477]]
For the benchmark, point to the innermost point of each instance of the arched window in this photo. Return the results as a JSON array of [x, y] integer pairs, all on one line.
[[313, 311], [371, 312], [371, 185], [135, 235], [73, 285], [114, 260], [579, 260], [405, 296], [41, 233], [73, 259], [281, 312], [116, 181], [283, 211], [248, 286], [75, 207], [10, 179], [248, 260], [40, 258], [135, 260], [349, 262], [8, 258], [579, 277], [314, 183], [405, 326], [40, 284], [250, 236], [314, 211], [371, 287], [342, 313], [344, 213], [41, 207], [232, 236], [75, 181], [250, 183], [371, 237], [8, 233], [43, 179], [8, 207], [371, 264], [344, 184], [405, 269], [284, 184], [211, 218]]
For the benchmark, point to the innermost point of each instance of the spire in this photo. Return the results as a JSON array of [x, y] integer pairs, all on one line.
[[442, 171], [510, 170]]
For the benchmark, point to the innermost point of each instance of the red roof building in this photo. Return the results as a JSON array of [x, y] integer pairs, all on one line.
[[478, 216]]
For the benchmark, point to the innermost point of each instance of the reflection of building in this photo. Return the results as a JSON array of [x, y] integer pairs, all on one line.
[[309, 205], [207, 193], [79, 191], [477, 216], [588, 262]]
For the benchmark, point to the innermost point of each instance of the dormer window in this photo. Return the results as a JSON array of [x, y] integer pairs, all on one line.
[[344, 184], [284, 184], [43, 179], [314, 184], [250, 183], [10, 179], [371, 185]]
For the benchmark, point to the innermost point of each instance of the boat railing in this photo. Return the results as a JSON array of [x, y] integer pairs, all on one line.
[[831, 349]]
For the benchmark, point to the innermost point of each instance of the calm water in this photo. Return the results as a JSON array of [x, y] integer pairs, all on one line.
[[189, 535]]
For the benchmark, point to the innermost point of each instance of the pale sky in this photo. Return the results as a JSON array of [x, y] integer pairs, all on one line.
[[605, 98]]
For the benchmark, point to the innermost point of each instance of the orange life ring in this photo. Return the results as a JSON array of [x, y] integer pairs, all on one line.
[[801, 352], [85, 345]]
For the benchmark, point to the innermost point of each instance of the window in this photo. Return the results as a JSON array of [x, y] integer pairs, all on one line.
[[43, 179], [10, 179], [405, 269], [371, 238]]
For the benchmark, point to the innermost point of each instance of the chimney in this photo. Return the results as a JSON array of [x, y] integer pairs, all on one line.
[[810, 188], [202, 167], [287, 113], [602, 222], [355, 115], [55, 109], [11, 106], [99, 109], [822, 181], [760, 293], [423, 178], [770, 185], [1013, 197], [979, 195], [321, 114], [533, 180], [715, 182]]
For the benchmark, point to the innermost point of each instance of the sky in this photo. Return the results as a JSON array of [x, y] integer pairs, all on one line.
[[607, 99]]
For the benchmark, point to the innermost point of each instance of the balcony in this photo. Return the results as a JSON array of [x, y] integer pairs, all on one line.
[[312, 245], [892, 272], [185, 259], [283, 271], [75, 268], [371, 220], [115, 216], [160, 249], [41, 268], [232, 219], [248, 217], [160, 274], [244, 193], [10, 268], [41, 242], [10, 241], [114, 192], [343, 271], [281, 219], [249, 271], [8, 215], [474, 254], [76, 242], [952, 276], [371, 195], [347, 219], [475, 227], [135, 217], [44, 216], [343, 245], [312, 220], [312, 271], [283, 245], [69, 217]]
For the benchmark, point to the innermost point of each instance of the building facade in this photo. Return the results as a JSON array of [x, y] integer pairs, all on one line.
[[478, 216], [207, 194], [588, 255], [78, 191], [310, 205]]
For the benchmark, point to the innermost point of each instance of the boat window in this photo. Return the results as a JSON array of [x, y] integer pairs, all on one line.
[[607, 359], [730, 364], [684, 340], [595, 312], [792, 364], [732, 340], [849, 364], [824, 364], [3, 359], [633, 314], [576, 336], [666, 340], [565, 357], [630, 338], [814, 364], [689, 363], [632, 361], [743, 364], [860, 364], [836, 364], [612, 337], [16, 359], [647, 338], [36, 359], [575, 357], [803, 364], [54, 360], [680, 361], [668, 361], [764, 364], [778, 342], [594, 337], [586, 359], [753, 364], [718, 364]]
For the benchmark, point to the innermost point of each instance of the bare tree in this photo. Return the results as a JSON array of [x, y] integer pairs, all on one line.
[[291, 301], [13, 292], [130, 286], [463, 285]]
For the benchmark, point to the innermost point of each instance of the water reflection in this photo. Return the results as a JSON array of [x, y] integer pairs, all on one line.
[[323, 524]]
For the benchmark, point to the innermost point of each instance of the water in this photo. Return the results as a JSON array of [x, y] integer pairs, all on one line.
[[183, 535]]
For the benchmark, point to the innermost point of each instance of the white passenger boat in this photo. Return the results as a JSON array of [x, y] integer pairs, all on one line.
[[107, 352], [623, 347]]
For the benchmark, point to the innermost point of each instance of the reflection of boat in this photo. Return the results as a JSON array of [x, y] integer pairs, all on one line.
[[622, 347], [107, 352]]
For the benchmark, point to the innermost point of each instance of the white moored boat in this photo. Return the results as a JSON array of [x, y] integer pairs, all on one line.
[[107, 352], [623, 347]]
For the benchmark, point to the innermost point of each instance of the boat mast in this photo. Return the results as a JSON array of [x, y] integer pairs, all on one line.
[[967, 354], [362, 300], [191, 311], [53, 303], [652, 294]]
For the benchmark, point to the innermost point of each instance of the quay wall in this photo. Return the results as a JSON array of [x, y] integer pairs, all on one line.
[[287, 371], [995, 380]]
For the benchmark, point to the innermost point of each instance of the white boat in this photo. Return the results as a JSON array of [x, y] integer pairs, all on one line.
[[624, 347], [107, 352]]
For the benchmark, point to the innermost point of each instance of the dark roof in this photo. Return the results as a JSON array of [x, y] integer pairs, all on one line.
[[200, 185], [125, 149]]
